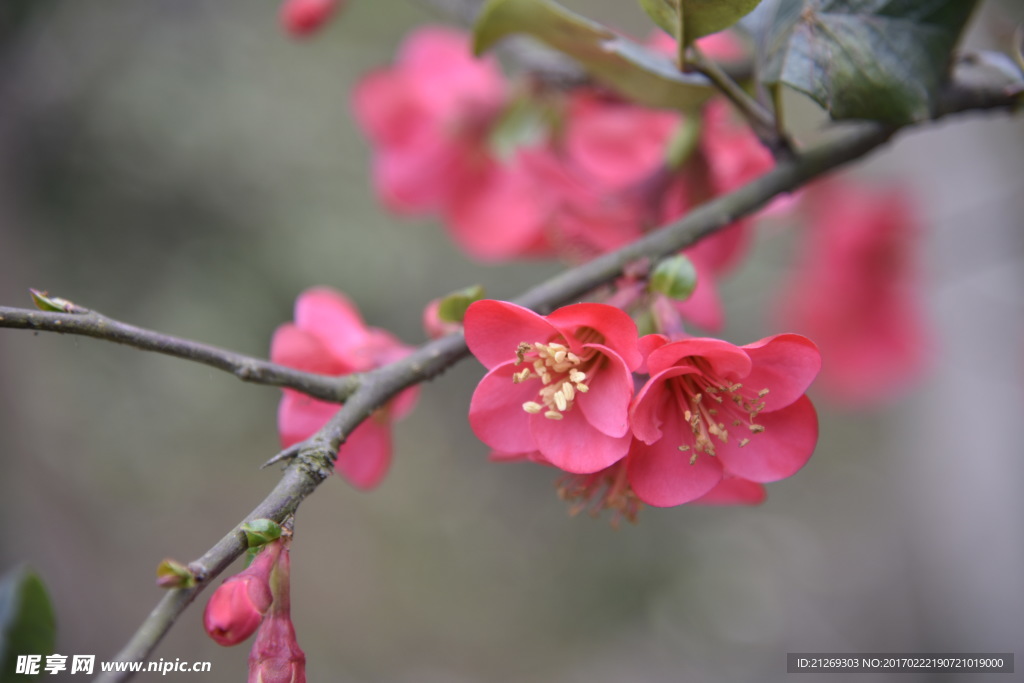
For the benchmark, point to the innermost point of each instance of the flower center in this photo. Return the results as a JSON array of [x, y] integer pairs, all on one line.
[[708, 402], [558, 369], [607, 489]]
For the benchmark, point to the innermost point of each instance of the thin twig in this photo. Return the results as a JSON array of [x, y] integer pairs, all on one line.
[[761, 121], [245, 368], [314, 461]]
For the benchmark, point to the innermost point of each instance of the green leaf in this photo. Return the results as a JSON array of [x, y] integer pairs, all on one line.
[[865, 59], [173, 574], [260, 532], [629, 68], [452, 308], [675, 277], [27, 623], [44, 302], [700, 17]]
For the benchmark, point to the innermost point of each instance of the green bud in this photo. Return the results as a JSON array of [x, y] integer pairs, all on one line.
[[55, 304], [675, 277], [452, 308], [173, 574], [261, 531]]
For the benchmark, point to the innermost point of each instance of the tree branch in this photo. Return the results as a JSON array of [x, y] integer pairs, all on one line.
[[246, 368], [314, 461]]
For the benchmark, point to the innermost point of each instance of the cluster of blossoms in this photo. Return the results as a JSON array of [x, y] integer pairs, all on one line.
[[709, 423], [257, 600], [520, 170]]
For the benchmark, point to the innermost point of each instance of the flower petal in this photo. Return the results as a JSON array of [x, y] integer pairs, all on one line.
[[647, 344], [733, 491], [786, 364], [500, 213], [495, 328], [606, 403], [617, 328], [654, 404], [727, 360], [661, 475], [573, 445], [785, 445], [365, 457], [330, 315], [496, 412], [303, 350], [299, 416]]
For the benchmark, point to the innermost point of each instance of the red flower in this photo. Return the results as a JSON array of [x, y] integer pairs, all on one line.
[[426, 118], [276, 656], [712, 409], [329, 337], [855, 291], [614, 143], [303, 17], [236, 608], [559, 385]]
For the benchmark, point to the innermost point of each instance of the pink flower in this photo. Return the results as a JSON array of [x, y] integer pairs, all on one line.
[[427, 118], [712, 409], [559, 384], [614, 143], [855, 290], [303, 17], [276, 656], [501, 210], [236, 608], [329, 337]]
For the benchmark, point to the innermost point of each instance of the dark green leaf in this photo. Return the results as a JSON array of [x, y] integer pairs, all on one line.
[[27, 623], [623, 65], [870, 59], [700, 17]]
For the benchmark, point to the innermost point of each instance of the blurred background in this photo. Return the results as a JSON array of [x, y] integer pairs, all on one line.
[[184, 166]]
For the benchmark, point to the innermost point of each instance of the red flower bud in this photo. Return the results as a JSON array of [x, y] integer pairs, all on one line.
[[276, 656], [236, 608], [303, 17]]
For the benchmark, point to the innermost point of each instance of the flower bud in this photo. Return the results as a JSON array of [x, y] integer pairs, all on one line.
[[301, 18], [236, 608], [276, 656], [173, 574], [434, 325], [675, 277]]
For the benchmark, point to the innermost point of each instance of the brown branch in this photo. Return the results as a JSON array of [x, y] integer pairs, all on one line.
[[246, 368]]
